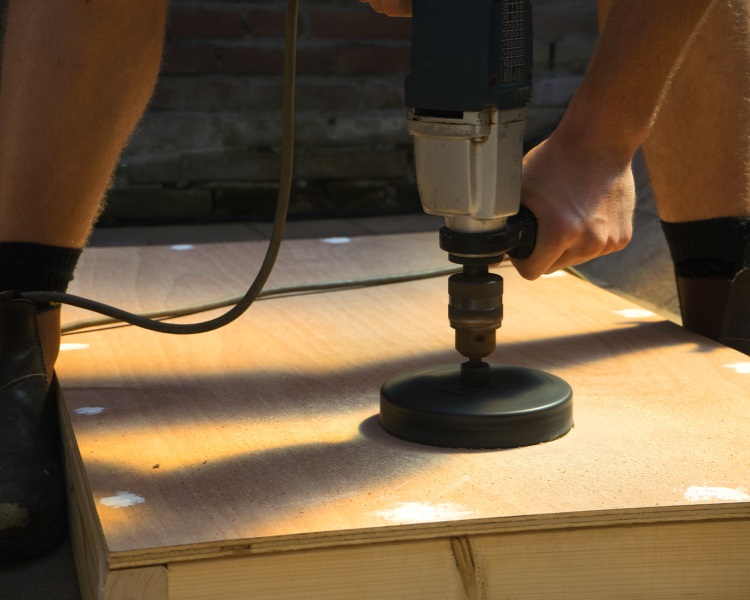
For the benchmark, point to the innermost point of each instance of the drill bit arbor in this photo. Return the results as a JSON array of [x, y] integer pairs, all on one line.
[[467, 95]]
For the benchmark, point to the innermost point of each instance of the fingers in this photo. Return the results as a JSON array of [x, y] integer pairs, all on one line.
[[397, 8], [554, 254], [577, 256], [562, 246], [392, 8]]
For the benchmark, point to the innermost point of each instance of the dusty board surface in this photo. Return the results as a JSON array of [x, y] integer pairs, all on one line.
[[263, 436]]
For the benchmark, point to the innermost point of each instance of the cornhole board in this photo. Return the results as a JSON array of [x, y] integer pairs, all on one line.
[[249, 463]]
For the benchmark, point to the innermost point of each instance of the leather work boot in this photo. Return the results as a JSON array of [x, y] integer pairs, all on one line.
[[735, 328], [32, 507], [718, 308]]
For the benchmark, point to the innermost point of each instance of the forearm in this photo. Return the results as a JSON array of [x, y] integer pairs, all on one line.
[[641, 44]]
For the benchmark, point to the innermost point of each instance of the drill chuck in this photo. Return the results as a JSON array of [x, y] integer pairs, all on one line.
[[475, 310]]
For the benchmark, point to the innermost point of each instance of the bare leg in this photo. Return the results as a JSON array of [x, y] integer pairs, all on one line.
[[698, 159], [698, 152], [76, 77]]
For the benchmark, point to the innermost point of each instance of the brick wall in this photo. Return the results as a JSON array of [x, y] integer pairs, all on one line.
[[208, 147]]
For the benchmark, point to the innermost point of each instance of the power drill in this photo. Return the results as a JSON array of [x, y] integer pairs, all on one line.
[[466, 100]]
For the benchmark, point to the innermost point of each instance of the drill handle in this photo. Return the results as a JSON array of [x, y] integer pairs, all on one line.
[[525, 223]]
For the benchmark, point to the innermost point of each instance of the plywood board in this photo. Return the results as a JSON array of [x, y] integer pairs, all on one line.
[[262, 438]]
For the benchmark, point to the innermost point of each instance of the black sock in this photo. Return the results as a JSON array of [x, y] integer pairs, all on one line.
[[29, 267], [711, 248]]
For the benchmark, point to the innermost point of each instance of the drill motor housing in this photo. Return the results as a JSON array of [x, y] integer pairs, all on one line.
[[469, 56], [466, 100]]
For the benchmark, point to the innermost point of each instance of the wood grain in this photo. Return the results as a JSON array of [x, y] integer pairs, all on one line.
[[665, 560], [647, 561], [145, 583], [262, 438], [423, 569]]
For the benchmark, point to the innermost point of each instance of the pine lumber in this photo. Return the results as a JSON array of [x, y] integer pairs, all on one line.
[[248, 462]]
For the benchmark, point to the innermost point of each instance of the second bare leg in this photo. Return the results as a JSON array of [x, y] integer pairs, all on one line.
[[76, 77], [698, 158], [698, 151]]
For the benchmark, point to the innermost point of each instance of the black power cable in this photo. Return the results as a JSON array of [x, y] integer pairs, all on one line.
[[341, 284], [282, 206]]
